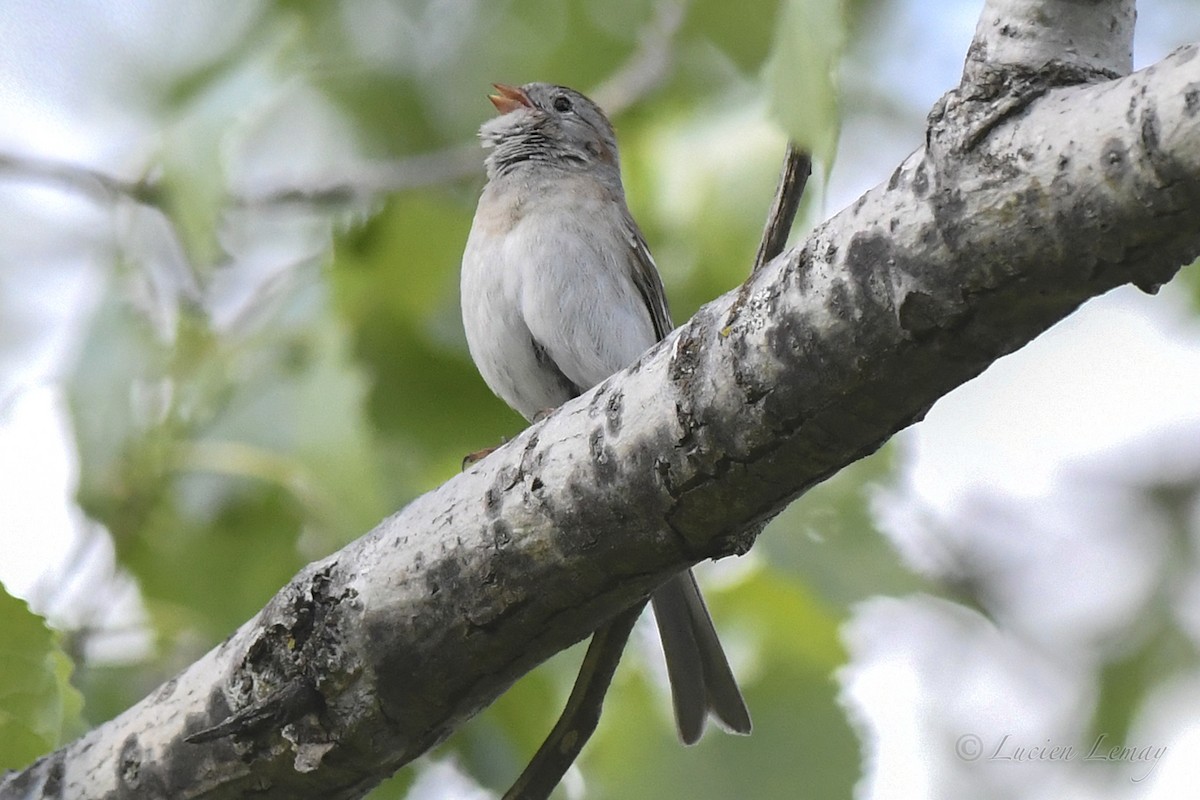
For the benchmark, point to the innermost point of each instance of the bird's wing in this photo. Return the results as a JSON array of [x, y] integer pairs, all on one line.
[[647, 280], [590, 294]]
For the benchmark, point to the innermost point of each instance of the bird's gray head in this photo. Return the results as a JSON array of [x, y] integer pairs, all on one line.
[[544, 123]]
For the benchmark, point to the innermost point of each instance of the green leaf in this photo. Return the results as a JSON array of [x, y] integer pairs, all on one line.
[[801, 74], [828, 538], [117, 396], [742, 31], [396, 787], [38, 705], [208, 453], [1190, 278], [296, 416]]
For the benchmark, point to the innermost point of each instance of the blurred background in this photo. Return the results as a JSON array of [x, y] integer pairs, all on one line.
[[230, 344]]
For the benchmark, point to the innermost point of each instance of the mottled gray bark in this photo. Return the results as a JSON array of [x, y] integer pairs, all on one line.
[[1046, 179]]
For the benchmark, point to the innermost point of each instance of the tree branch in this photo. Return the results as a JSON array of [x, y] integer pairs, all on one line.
[[797, 166], [993, 232], [1020, 35], [98, 185], [650, 64], [582, 712]]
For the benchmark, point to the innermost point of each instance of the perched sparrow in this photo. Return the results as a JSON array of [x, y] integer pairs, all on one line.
[[559, 292]]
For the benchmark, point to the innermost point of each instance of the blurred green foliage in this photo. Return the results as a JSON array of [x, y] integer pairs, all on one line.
[[801, 73], [39, 708]]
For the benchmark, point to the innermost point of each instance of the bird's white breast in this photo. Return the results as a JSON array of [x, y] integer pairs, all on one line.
[[552, 269]]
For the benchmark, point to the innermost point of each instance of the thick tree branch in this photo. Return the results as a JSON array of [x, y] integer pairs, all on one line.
[[993, 232], [1012, 35]]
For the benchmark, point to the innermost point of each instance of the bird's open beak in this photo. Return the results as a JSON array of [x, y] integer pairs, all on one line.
[[510, 98]]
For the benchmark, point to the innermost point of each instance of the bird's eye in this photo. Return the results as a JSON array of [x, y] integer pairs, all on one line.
[[562, 103]]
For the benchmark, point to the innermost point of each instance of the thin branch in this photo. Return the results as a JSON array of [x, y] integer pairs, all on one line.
[[644, 71], [582, 712], [91, 182], [442, 166], [648, 66], [286, 704], [797, 166], [454, 163]]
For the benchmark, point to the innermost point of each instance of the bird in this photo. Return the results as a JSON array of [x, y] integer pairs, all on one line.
[[558, 292]]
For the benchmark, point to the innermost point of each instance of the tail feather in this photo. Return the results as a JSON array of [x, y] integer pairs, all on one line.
[[701, 680]]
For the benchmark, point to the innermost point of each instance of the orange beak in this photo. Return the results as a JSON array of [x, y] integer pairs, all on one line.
[[510, 98]]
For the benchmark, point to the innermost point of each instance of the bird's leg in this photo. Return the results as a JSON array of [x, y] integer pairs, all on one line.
[[471, 459]]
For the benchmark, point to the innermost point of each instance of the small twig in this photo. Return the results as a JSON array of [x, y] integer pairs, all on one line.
[[88, 181], [797, 166], [582, 712], [412, 172], [441, 166], [285, 705]]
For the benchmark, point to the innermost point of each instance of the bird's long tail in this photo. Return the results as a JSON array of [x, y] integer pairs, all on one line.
[[701, 680]]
